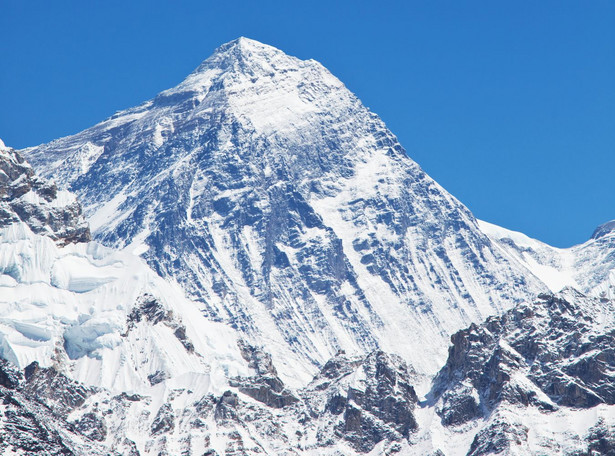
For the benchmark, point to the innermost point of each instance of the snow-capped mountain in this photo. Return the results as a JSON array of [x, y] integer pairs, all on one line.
[[289, 211], [325, 272], [91, 320]]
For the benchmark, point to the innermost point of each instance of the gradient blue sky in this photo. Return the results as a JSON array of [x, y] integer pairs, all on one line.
[[509, 105]]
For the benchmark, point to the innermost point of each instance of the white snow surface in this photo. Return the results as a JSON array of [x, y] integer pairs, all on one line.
[[68, 307], [588, 267]]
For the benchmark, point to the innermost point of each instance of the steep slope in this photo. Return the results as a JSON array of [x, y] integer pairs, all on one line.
[[588, 267], [98, 355], [289, 210]]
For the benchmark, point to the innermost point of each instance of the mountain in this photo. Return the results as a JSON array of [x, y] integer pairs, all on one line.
[[79, 320], [290, 212], [272, 274]]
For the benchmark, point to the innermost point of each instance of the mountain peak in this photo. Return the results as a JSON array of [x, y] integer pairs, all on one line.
[[239, 54], [243, 44], [604, 229]]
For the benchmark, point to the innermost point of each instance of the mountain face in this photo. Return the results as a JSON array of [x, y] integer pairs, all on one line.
[[289, 211], [26, 198], [100, 315]]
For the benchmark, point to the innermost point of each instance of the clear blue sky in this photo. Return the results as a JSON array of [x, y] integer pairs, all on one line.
[[509, 105]]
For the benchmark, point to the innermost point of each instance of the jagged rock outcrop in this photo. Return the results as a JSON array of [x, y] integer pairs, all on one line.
[[364, 400], [33, 416], [265, 386], [25, 197], [550, 353], [550, 357], [61, 394]]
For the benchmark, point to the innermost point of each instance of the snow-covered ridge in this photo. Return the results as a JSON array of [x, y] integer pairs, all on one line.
[[605, 229], [588, 267]]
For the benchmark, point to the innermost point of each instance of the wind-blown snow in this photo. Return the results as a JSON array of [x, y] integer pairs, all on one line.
[[587, 267]]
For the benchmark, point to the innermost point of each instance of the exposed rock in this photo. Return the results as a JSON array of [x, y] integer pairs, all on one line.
[[226, 407], [55, 390], [266, 389], [257, 358], [150, 309], [604, 230], [10, 375], [601, 440], [266, 386], [499, 437], [157, 377], [547, 354], [368, 399], [92, 427], [164, 420], [27, 198], [33, 419]]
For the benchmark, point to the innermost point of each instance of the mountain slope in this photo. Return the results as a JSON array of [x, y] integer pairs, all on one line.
[[101, 316], [99, 355], [287, 208]]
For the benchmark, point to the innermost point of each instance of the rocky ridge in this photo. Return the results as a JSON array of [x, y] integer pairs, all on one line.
[[25, 197]]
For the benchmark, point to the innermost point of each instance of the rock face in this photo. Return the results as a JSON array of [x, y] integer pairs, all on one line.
[[32, 422], [265, 386], [364, 401], [553, 356], [27, 198], [289, 211]]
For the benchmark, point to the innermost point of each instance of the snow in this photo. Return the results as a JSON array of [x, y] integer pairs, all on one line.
[[79, 297], [387, 259], [586, 267]]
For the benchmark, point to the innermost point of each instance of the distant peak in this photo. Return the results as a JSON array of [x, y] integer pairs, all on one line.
[[604, 229]]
